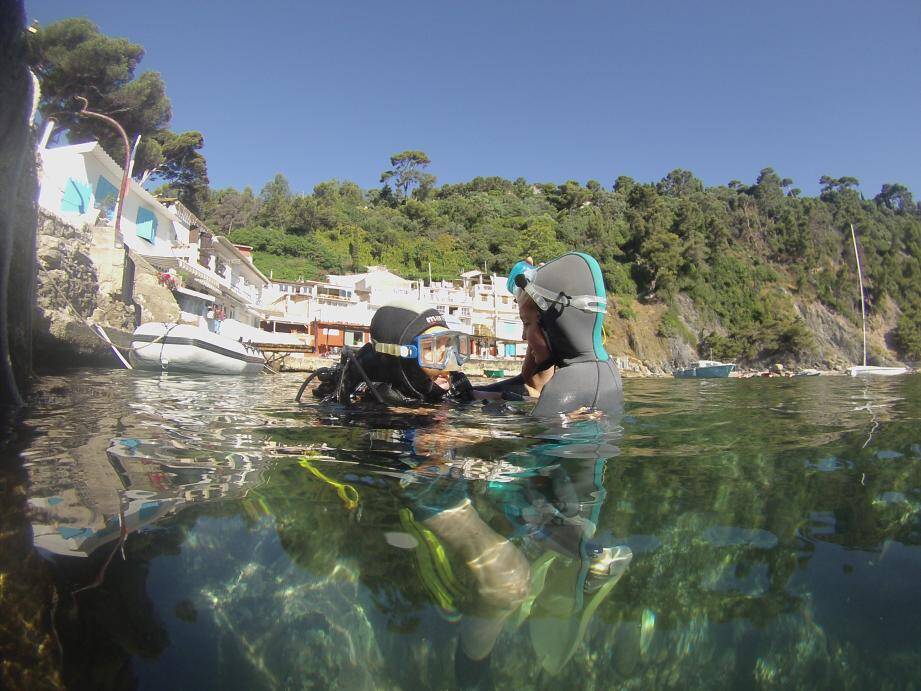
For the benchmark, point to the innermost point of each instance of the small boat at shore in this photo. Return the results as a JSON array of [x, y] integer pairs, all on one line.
[[709, 369], [169, 347], [875, 371]]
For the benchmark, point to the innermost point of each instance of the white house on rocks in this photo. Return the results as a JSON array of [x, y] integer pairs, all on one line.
[[80, 183]]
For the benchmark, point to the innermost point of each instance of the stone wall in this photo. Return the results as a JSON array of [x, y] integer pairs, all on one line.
[[66, 296], [79, 280]]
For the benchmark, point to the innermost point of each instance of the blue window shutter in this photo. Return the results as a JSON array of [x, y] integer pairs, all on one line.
[[146, 224], [76, 196], [106, 197]]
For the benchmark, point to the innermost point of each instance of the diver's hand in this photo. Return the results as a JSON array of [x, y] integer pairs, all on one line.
[[534, 379], [460, 389]]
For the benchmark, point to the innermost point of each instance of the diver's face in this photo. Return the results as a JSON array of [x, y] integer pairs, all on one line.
[[532, 334], [438, 376]]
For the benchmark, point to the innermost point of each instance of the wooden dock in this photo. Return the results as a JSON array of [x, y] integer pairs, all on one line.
[[275, 353]]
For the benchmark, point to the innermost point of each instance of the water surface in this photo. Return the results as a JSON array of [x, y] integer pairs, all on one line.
[[208, 532]]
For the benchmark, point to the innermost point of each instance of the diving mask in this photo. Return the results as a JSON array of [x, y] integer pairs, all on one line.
[[440, 350], [521, 280]]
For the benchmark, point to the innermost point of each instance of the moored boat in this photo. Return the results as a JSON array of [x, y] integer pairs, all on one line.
[[710, 369], [182, 347], [870, 370], [866, 370]]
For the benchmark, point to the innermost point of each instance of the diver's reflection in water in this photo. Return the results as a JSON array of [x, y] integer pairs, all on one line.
[[524, 527]]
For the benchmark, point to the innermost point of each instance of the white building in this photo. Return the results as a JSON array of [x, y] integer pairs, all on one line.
[[337, 312], [80, 183]]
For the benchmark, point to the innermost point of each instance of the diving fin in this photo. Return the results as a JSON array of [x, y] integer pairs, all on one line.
[[561, 614]]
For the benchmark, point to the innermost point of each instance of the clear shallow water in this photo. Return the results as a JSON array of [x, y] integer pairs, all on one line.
[[774, 525]]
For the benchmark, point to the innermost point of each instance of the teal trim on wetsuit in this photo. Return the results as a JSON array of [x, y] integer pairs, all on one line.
[[597, 332]]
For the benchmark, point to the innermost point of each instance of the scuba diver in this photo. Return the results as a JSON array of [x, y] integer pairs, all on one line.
[[411, 352], [415, 359], [562, 305]]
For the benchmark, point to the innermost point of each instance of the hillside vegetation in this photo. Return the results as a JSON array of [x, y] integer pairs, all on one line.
[[732, 268]]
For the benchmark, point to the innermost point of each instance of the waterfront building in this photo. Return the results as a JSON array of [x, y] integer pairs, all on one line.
[[324, 315], [207, 273], [79, 184], [337, 312]]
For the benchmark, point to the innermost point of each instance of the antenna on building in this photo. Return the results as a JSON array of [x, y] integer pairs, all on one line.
[[134, 152], [46, 133]]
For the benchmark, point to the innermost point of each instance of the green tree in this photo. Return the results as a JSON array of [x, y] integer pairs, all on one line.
[[661, 256], [896, 196], [304, 214], [228, 208], [569, 196], [183, 168], [539, 240], [834, 186], [406, 171], [768, 193], [275, 203], [908, 332], [73, 58], [679, 183]]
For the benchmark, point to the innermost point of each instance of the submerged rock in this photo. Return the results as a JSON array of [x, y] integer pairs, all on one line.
[[286, 629]]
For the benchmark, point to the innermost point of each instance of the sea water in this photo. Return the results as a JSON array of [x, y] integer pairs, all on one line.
[[209, 532]]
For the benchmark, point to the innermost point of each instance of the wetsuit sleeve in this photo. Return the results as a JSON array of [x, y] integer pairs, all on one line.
[[513, 385]]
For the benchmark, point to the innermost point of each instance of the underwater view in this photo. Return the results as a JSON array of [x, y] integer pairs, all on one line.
[[208, 533]]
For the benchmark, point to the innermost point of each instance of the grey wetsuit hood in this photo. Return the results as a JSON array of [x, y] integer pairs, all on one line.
[[585, 375], [574, 335]]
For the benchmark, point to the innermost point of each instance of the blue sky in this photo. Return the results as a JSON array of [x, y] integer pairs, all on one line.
[[546, 90]]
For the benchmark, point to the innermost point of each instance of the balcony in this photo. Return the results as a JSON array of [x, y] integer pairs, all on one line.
[[243, 292]]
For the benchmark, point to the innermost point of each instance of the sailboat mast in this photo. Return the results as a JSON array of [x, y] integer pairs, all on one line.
[[863, 307]]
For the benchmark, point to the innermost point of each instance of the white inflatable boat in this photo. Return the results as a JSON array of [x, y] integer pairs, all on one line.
[[186, 348]]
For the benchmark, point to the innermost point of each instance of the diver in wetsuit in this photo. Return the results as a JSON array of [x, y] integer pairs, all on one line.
[[562, 305], [410, 352]]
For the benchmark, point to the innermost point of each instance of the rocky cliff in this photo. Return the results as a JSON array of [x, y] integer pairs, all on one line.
[[636, 335], [79, 274]]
